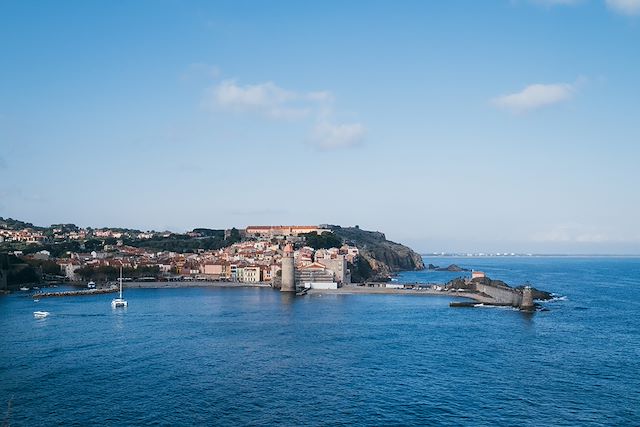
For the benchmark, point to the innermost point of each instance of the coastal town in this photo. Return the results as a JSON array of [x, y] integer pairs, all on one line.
[[253, 255], [292, 258]]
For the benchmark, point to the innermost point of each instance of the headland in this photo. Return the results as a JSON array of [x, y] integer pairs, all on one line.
[[299, 259]]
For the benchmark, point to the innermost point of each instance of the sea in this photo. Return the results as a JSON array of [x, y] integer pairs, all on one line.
[[213, 356]]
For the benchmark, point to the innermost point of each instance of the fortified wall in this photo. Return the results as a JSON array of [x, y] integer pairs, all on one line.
[[501, 295]]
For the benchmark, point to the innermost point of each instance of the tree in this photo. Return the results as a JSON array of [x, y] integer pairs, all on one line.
[[234, 236], [322, 241], [87, 273]]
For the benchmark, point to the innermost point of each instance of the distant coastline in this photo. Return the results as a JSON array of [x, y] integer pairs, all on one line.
[[466, 255]]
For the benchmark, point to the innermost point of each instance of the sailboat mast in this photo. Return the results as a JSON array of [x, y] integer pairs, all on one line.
[[120, 281]]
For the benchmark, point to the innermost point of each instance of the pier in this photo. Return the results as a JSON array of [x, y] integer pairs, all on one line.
[[81, 292]]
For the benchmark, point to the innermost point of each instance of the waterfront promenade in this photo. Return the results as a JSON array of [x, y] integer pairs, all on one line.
[[194, 284]]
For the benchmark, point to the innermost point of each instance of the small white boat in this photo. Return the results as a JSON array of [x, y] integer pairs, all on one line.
[[91, 285], [119, 302], [40, 314], [24, 289]]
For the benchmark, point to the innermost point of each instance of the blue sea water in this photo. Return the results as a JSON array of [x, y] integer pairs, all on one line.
[[205, 356]]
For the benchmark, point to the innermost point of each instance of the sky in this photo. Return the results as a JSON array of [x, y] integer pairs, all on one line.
[[477, 126]]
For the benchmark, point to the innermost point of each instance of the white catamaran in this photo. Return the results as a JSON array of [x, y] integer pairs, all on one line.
[[119, 302]]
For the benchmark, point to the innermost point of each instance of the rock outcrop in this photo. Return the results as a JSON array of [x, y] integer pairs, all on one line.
[[484, 282], [453, 268], [381, 257]]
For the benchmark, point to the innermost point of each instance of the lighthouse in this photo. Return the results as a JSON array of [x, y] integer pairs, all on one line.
[[288, 270], [527, 299]]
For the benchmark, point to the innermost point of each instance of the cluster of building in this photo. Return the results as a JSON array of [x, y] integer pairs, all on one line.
[[56, 234], [26, 235], [258, 258]]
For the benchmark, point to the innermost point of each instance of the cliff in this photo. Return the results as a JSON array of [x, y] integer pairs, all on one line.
[[380, 258]]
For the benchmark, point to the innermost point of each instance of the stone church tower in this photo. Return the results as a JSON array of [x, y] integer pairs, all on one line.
[[288, 270]]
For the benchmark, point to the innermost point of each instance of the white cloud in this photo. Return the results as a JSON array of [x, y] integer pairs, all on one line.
[[274, 102], [265, 98], [535, 96], [626, 7], [329, 135]]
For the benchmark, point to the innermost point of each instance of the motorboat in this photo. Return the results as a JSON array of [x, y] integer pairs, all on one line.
[[40, 314]]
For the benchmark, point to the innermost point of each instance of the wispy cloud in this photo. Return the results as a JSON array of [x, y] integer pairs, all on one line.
[[264, 98], [269, 100], [536, 96], [328, 135], [626, 7]]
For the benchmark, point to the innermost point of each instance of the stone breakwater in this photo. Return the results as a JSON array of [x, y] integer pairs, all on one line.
[[108, 290], [356, 290], [484, 292]]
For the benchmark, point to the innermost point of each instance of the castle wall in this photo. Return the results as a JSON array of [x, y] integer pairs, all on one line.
[[502, 296]]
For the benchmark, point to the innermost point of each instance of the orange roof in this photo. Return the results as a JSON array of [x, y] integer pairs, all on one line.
[[314, 265]]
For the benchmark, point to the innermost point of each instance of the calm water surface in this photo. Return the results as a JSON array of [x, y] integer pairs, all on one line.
[[254, 356]]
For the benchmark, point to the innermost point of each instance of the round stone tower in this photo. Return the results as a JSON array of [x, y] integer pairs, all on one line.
[[288, 270], [527, 299]]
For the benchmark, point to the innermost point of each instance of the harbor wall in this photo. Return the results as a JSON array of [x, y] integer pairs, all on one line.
[[502, 296]]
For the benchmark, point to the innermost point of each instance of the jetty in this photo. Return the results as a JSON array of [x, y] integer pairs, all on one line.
[[81, 292], [478, 291]]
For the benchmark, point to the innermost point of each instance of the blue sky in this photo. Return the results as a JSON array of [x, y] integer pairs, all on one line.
[[450, 125]]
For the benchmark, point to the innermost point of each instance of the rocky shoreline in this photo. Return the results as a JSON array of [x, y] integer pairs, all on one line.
[[380, 258]]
